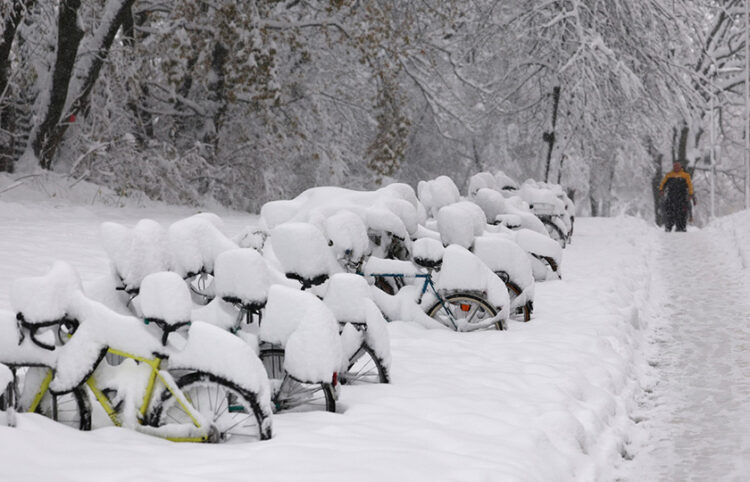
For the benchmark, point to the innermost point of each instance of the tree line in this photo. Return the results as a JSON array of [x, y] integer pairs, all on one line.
[[250, 100]]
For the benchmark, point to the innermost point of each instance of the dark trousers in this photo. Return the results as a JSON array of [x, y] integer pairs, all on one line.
[[675, 215]]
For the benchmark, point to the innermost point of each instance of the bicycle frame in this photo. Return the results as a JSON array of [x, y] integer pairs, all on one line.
[[427, 283], [156, 373], [200, 431]]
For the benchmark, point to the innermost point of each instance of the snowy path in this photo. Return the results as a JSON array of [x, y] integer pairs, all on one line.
[[698, 414]]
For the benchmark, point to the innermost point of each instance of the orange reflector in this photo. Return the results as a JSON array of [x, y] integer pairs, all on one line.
[[465, 307]]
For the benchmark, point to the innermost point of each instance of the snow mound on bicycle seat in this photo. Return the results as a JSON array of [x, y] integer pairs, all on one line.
[[47, 297], [482, 180], [505, 182], [303, 250], [303, 325], [539, 244], [213, 350], [491, 202], [136, 252], [345, 296], [313, 352], [437, 193], [347, 233], [382, 220], [463, 271], [460, 222], [285, 309], [535, 195], [405, 211], [195, 242], [428, 252], [242, 274], [165, 296], [502, 254], [25, 353]]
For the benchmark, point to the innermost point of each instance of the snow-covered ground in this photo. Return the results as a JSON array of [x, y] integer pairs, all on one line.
[[593, 388]]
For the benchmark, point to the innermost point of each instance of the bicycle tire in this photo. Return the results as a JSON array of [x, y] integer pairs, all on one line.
[[365, 366], [555, 232], [73, 408], [524, 311], [290, 394], [201, 288], [233, 413], [462, 300]]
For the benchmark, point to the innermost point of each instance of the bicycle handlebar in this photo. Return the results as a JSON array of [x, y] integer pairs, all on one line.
[[69, 324]]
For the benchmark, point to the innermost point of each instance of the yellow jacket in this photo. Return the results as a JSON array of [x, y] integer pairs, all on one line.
[[682, 174]]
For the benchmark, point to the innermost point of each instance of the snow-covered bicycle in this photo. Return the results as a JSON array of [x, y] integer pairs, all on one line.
[[175, 389]]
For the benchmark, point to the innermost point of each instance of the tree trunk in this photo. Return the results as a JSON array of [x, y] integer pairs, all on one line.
[[69, 35], [105, 35], [549, 137], [7, 112], [657, 158], [11, 22]]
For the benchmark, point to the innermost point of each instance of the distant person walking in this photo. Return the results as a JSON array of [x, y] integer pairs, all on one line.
[[676, 189]]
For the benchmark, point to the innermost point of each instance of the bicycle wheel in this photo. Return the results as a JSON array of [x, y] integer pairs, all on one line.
[[71, 409], [233, 415], [292, 395], [465, 308], [201, 288], [520, 313], [554, 232], [365, 366]]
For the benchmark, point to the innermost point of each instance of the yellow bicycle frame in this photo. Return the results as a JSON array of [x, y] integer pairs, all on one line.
[[155, 365]]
